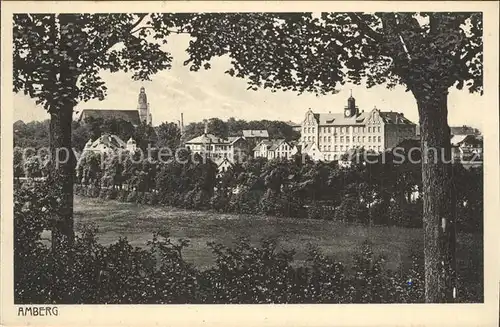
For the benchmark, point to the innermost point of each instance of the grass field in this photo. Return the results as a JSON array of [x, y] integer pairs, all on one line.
[[138, 222]]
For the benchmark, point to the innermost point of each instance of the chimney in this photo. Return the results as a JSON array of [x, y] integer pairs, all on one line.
[[182, 123]]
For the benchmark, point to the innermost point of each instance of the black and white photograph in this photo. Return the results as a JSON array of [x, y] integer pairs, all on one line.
[[271, 156]]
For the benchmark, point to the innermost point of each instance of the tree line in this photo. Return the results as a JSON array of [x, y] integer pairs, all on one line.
[[378, 193], [36, 134]]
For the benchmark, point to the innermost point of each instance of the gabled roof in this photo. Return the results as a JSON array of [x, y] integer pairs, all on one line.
[[234, 139], [131, 116], [249, 133], [206, 138], [110, 140], [275, 144], [263, 142], [212, 139], [392, 117], [220, 161], [308, 146], [338, 119], [457, 140]]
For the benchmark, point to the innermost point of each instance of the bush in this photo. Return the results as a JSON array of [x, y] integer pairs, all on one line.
[[350, 211], [112, 194], [132, 196]]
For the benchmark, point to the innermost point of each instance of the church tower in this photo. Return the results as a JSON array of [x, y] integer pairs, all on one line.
[[143, 107], [351, 109]]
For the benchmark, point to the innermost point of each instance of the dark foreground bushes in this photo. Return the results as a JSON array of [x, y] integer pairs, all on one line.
[[91, 273]]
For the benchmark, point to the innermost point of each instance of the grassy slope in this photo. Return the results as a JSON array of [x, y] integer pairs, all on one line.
[[138, 222]]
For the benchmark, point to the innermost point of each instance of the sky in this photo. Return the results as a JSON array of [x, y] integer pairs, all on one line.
[[211, 93]]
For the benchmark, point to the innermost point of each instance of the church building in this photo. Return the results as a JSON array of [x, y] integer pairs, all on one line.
[[134, 116]]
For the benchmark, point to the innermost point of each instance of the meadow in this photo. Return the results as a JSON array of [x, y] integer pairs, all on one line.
[[138, 222]]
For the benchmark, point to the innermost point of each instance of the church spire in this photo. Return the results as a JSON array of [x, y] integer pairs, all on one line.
[[143, 106]]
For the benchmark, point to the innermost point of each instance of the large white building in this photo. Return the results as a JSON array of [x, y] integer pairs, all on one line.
[[272, 149], [217, 148], [333, 134]]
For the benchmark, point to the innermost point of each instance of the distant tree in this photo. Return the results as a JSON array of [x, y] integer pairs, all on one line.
[[169, 136], [80, 135], [193, 130], [426, 52], [34, 134], [18, 162], [218, 127], [145, 135]]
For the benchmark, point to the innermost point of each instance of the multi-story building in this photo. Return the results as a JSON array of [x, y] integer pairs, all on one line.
[[336, 133], [110, 143], [255, 135], [272, 149], [215, 147]]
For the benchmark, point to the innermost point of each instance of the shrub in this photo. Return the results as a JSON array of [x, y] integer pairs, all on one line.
[[314, 212], [112, 194], [350, 210]]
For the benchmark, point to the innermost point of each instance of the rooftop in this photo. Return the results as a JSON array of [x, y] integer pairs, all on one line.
[[249, 133], [131, 116]]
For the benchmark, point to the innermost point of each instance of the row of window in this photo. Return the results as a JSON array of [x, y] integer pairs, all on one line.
[[341, 148], [347, 139], [345, 129]]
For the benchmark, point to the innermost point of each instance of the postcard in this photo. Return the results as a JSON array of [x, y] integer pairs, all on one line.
[[250, 163]]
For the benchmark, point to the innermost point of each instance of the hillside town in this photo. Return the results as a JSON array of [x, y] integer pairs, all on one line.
[[323, 136]]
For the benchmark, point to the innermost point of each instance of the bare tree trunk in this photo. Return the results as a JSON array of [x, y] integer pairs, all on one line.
[[62, 175], [438, 196]]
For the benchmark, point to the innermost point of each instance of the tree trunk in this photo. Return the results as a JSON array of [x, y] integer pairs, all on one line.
[[438, 196], [62, 176]]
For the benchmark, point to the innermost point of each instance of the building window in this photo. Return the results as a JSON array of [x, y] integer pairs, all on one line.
[[313, 138], [334, 157], [364, 138], [329, 138], [347, 139], [329, 130], [335, 139], [369, 138], [359, 138], [379, 129], [313, 129], [324, 138], [329, 147], [341, 148], [369, 129], [341, 139], [309, 138], [380, 139]]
